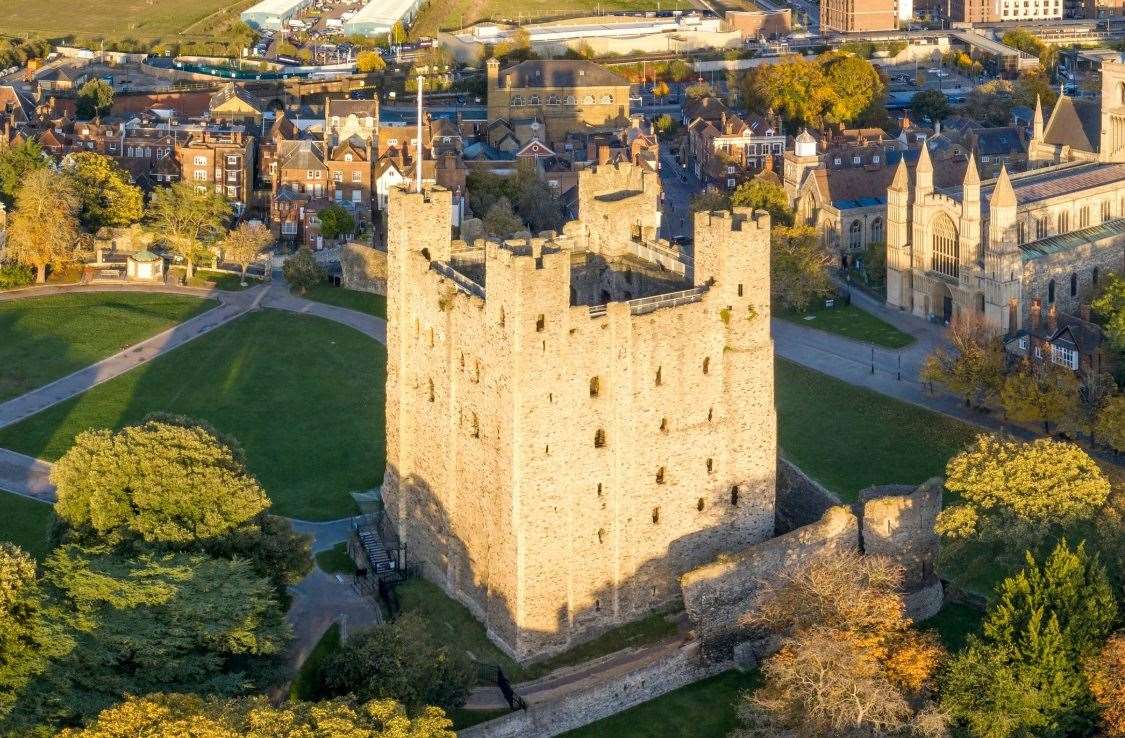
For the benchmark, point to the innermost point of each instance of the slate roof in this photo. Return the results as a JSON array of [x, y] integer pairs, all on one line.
[[1067, 241], [13, 100], [1075, 123], [1003, 141], [541, 73], [302, 154], [232, 91], [864, 187]]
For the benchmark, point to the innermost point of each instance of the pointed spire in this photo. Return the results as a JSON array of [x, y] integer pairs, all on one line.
[[972, 176], [924, 163], [901, 181], [1003, 196], [1037, 120]]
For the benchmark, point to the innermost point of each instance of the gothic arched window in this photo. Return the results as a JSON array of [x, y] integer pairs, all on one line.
[[1050, 292], [1064, 222], [1073, 284], [855, 235], [946, 256], [877, 231]]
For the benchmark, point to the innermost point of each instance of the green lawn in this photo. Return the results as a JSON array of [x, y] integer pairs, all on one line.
[[304, 686], [218, 280], [848, 438], [850, 322], [364, 302], [451, 623], [336, 560], [705, 709], [303, 395], [140, 19], [463, 718], [450, 14], [24, 522], [44, 338], [954, 624]]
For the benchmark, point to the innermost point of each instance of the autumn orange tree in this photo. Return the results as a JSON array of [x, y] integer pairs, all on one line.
[[850, 662], [1106, 675]]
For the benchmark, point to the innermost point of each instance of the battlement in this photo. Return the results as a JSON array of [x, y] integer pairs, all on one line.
[[589, 356]]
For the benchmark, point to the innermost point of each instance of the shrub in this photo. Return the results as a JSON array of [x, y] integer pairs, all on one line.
[[15, 275]]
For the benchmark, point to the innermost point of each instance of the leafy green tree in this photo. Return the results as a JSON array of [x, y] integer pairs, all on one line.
[[369, 61], [710, 200], [992, 102], [665, 126], [501, 220], [485, 188], [245, 243], [153, 622], [798, 267], [335, 222], [1023, 676], [104, 189], [1040, 393], [1095, 389], [764, 195], [27, 642], [16, 162], [1109, 425], [302, 271], [796, 88], [94, 98], [188, 219], [932, 104], [1039, 483], [1035, 84], [43, 229], [162, 481], [178, 715], [856, 84], [536, 202], [1028, 42], [973, 365], [402, 661], [1109, 307]]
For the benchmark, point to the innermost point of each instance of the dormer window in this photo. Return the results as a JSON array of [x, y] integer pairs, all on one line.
[[836, 161], [348, 157], [875, 159]]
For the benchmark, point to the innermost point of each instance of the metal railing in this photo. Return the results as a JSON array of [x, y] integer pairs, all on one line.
[[642, 305], [462, 282]]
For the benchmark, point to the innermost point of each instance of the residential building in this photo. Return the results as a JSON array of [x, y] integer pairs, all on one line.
[[726, 151], [233, 104], [856, 16], [1071, 341], [567, 95], [219, 158]]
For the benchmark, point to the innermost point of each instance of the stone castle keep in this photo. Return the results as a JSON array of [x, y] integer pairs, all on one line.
[[574, 420]]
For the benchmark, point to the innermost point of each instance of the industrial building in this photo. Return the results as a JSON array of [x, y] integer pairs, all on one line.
[[379, 17], [273, 14]]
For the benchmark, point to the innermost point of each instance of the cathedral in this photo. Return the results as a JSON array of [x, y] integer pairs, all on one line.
[[998, 247]]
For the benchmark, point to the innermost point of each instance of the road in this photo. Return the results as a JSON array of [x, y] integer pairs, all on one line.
[[680, 185]]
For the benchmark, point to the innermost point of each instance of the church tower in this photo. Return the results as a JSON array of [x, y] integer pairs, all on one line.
[[899, 279], [798, 162], [1112, 144]]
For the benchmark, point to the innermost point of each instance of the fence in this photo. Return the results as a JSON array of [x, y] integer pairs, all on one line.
[[463, 283], [493, 674]]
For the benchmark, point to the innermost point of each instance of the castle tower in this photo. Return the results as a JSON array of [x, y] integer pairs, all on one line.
[[899, 280], [556, 466]]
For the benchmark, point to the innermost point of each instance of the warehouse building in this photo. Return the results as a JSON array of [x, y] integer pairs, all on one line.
[[273, 14], [379, 17]]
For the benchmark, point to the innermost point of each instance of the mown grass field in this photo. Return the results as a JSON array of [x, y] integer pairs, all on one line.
[[45, 338], [24, 522], [138, 19], [444, 15], [303, 395]]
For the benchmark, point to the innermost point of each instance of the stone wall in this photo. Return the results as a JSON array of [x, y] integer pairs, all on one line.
[[556, 468], [896, 521], [601, 698], [364, 268], [801, 500], [716, 595]]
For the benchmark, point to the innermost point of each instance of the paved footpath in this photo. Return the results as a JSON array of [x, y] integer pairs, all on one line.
[[231, 305]]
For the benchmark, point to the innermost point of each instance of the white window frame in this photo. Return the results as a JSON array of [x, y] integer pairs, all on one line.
[[1064, 356]]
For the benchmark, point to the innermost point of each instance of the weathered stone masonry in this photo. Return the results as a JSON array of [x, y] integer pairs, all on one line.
[[556, 463]]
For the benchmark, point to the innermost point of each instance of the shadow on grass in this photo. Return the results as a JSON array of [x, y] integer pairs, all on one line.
[[303, 396]]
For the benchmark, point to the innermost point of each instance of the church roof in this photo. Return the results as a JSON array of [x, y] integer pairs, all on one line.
[[1075, 123], [1068, 241], [863, 187]]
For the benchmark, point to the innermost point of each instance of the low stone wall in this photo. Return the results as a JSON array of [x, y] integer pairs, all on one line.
[[364, 268], [801, 500], [898, 522], [600, 699], [718, 594]]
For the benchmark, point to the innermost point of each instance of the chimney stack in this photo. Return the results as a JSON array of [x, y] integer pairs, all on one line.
[[1036, 311], [603, 153], [1052, 318]]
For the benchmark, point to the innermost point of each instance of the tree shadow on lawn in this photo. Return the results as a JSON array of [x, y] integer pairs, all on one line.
[[302, 395]]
